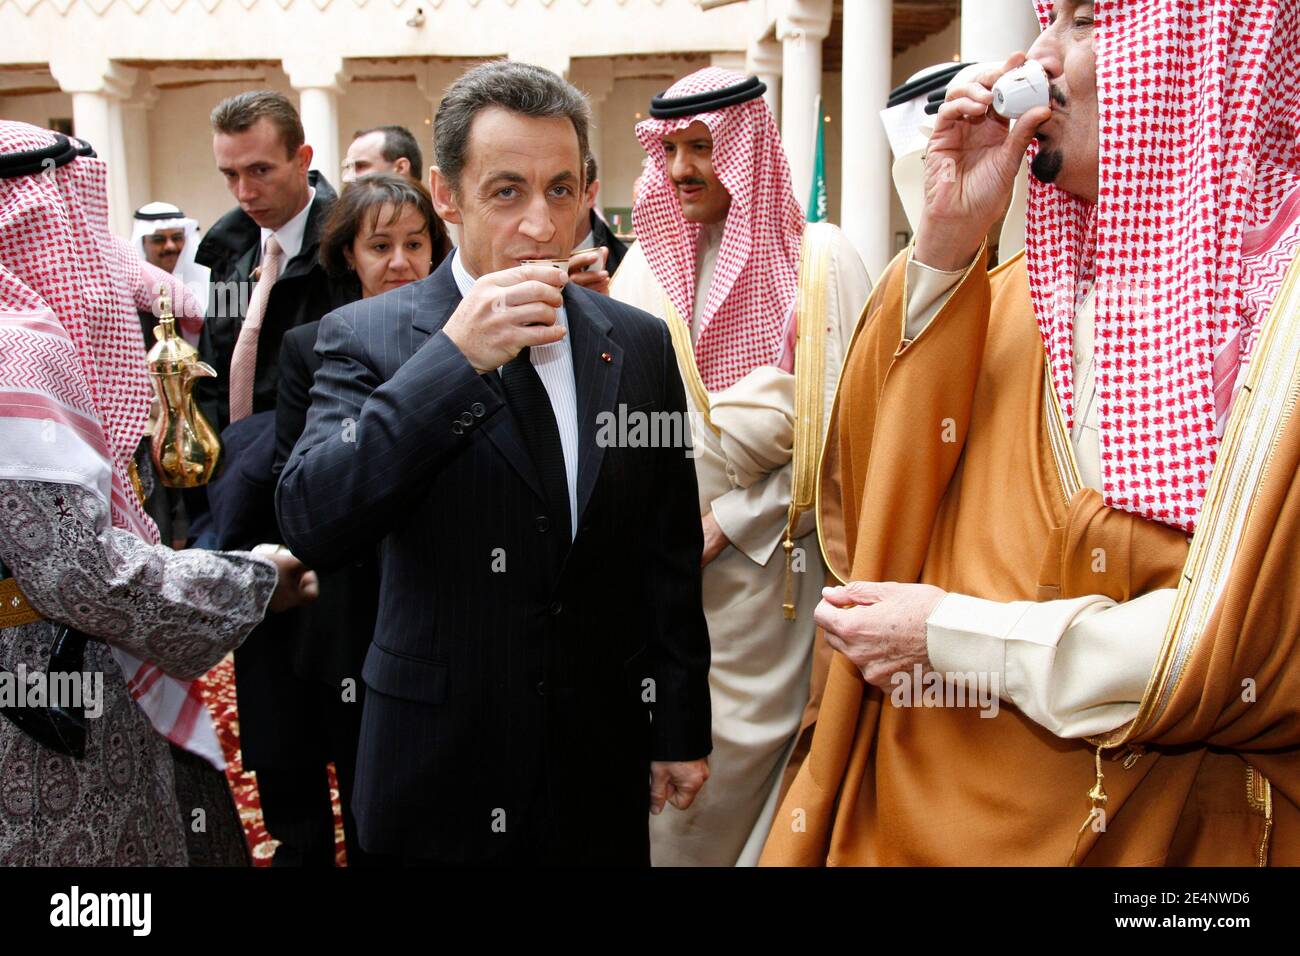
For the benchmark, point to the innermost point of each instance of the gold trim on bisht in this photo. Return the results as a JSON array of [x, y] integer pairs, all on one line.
[[810, 388]]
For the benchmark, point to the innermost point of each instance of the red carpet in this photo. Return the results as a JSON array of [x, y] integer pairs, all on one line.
[[219, 692]]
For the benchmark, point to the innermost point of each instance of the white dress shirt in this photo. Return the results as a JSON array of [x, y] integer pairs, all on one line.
[[554, 365], [291, 234]]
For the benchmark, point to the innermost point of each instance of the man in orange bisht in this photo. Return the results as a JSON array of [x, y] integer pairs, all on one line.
[[1084, 465]]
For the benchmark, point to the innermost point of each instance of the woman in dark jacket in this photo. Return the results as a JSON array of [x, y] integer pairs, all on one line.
[[383, 231]]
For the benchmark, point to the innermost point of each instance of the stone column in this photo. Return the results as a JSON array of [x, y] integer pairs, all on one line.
[[135, 124], [865, 185], [98, 86], [595, 77], [801, 30], [319, 80], [764, 61]]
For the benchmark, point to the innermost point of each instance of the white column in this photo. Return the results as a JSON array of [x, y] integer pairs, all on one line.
[[865, 186], [595, 77], [98, 86], [135, 125], [994, 29], [764, 61], [801, 30], [319, 80]]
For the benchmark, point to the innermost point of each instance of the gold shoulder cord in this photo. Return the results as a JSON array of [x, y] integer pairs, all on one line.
[[809, 383]]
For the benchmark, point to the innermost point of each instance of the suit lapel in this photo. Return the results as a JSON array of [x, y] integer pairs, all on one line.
[[597, 367], [440, 299]]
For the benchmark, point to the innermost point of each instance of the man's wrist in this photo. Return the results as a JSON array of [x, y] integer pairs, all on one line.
[[944, 250]]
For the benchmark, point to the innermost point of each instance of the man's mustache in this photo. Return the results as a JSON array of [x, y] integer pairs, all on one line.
[[1054, 93], [690, 182]]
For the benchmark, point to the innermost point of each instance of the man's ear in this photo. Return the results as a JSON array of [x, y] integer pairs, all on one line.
[[593, 190], [444, 197], [304, 156], [402, 166]]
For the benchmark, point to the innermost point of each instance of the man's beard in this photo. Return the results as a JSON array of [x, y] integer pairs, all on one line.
[[1047, 164]]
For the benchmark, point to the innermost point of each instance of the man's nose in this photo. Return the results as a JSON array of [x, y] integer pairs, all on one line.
[[537, 224], [681, 166], [1047, 51]]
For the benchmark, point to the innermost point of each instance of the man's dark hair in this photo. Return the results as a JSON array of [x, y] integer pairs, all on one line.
[[517, 87], [592, 172], [399, 143], [365, 198], [238, 113]]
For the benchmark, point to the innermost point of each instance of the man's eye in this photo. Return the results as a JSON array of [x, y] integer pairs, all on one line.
[[669, 148], [508, 193], [562, 191], [1082, 22]]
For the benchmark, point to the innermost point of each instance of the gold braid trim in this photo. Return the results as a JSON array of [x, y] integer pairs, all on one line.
[[1259, 794], [810, 387]]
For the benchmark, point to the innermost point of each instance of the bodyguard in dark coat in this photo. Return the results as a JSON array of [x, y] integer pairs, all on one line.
[[302, 294], [538, 679], [259, 148]]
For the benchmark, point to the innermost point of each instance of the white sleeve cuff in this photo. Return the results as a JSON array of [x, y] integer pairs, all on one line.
[[928, 291], [1078, 667]]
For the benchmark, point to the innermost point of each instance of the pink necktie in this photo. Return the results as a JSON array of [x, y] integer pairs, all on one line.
[[243, 363]]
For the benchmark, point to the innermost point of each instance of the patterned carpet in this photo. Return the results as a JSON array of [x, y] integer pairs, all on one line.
[[219, 693]]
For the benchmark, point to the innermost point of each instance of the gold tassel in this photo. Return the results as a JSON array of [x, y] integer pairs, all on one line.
[[788, 607], [1097, 796]]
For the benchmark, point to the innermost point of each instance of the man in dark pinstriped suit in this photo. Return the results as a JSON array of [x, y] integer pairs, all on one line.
[[538, 674]]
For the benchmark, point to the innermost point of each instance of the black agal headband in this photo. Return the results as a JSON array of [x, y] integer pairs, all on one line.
[[661, 107], [59, 153]]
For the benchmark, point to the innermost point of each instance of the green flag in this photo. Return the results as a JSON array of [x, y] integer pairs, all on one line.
[[817, 196]]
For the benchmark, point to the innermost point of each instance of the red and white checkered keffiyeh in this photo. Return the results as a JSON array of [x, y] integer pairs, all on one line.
[[1195, 224], [756, 277], [73, 374]]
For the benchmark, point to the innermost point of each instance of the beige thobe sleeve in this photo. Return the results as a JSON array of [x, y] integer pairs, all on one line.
[[1078, 667], [754, 517]]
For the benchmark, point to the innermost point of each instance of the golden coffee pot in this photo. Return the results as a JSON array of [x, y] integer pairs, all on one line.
[[185, 445]]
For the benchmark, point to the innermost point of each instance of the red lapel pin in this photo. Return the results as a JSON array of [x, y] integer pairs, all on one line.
[[606, 357]]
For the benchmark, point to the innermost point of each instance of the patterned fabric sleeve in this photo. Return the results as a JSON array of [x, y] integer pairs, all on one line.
[[184, 610]]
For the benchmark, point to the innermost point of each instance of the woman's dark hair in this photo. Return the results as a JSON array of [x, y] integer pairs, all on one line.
[[364, 199]]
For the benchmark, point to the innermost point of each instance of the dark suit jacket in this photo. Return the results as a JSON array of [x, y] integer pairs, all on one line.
[[603, 235], [511, 671], [335, 630]]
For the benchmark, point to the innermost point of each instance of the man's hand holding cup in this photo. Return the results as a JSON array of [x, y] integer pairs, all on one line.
[[971, 164], [505, 312]]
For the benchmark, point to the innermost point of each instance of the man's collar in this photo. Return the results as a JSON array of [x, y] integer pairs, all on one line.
[[464, 281], [290, 235]]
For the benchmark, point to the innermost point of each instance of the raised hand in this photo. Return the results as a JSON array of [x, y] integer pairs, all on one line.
[[971, 164], [506, 311]]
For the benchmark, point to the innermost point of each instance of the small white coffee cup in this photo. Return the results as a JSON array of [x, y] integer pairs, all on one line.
[[1021, 90]]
